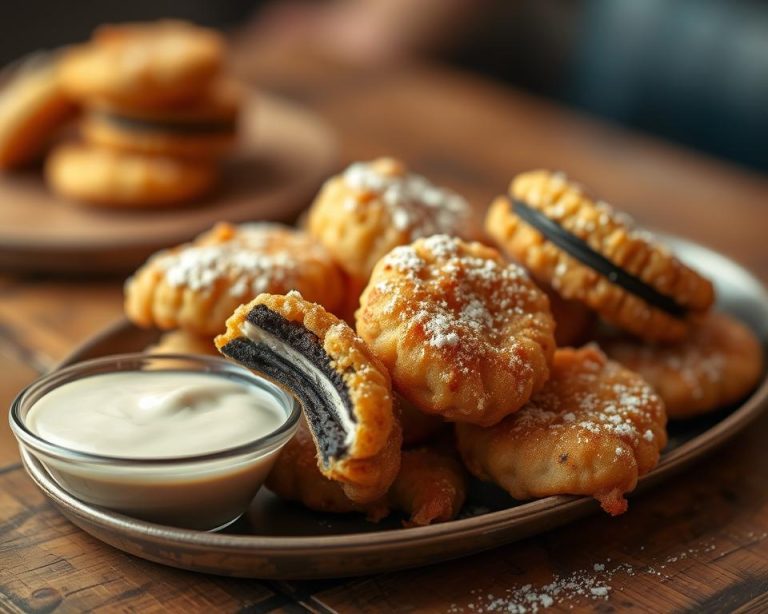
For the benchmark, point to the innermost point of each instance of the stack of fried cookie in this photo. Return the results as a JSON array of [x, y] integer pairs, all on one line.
[[449, 331], [158, 113]]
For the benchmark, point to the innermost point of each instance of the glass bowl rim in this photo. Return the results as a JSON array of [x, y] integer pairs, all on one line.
[[36, 443]]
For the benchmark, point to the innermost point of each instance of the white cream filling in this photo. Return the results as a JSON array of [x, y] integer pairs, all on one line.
[[318, 378]]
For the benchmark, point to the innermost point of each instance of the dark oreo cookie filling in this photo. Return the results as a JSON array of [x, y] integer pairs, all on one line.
[[581, 251], [209, 127], [321, 412]]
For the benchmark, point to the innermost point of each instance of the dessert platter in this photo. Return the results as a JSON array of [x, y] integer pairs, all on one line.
[[138, 139], [398, 380], [442, 384]]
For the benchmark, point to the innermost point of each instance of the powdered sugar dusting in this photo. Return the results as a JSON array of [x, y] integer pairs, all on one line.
[[699, 365], [597, 396], [582, 588], [459, 300], [415, 205], [199, 268], [246, 260]]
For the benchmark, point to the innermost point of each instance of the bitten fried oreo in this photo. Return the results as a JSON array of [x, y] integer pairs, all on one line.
[[196, 286], [143, 64], [122, 180], [593, 429], [587, 251], [465, 334], [344, 389], [32, 108], [204, 128], [717, 364]]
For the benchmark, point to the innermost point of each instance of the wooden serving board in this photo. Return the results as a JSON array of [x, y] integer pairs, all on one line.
[[284, 155]]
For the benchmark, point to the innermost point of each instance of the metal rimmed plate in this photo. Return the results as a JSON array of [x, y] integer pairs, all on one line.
[[283, 540]]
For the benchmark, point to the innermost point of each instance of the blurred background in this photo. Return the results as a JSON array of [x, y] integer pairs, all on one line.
[[692, 71]]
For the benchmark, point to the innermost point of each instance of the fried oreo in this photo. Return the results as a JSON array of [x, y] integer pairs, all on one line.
[[593, 429], [205, 128], [718, 363], [32, 108], [372, 207], [143, 65], [464, 334], [430, 486], [196, 286], [587, 251], [115, 179], [344, 389]]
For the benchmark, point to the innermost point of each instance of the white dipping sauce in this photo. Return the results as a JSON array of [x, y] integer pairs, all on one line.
[[146, 414], [153, 415]]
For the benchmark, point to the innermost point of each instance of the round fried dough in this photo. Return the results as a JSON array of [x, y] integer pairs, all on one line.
[[197, 286], [464, 334], [593, 429], [718, 363]]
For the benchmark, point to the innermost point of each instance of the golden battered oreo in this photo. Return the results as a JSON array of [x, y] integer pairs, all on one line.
[[430, 485], [197, 286], [588, 252], [206, 128], [372, 207], [463, 333], [593, 429], [344, 389], [122, 180], [32, 108], [718, 363], [143, 64]]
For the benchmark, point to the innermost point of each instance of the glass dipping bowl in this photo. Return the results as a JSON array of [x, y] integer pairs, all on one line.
[[206, 492]]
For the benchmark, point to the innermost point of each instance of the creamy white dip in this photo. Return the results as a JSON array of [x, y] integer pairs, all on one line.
[[154, 414]]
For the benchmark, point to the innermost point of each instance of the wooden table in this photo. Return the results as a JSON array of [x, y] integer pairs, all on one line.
[[698, 543]]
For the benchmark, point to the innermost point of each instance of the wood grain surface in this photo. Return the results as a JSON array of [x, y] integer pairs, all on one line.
[[698, 543]]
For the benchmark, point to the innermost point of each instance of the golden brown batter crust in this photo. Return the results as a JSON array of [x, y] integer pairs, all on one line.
[[197, 286], [608, 233], [593, 429], [32, 108], [464, 334], [718, 363], [117, 179], [370, 463], [143, 64], [430, 485], [372, 207]]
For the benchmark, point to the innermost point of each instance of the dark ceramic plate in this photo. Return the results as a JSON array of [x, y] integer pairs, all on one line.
[[282, 540]]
